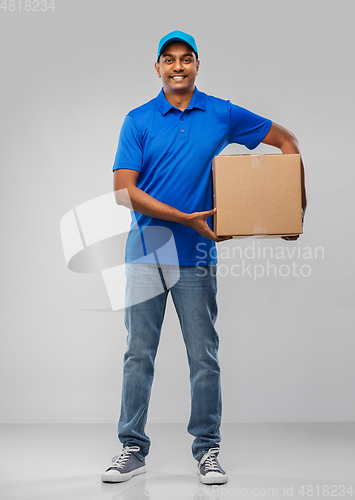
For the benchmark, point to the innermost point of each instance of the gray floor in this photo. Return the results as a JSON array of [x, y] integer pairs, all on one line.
[[297, 461]]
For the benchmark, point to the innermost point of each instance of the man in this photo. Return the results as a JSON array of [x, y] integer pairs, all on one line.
[[163, 163]]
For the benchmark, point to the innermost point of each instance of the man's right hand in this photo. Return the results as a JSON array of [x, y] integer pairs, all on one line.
[[198, 222]]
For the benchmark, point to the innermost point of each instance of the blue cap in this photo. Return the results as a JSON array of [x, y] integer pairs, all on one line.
[[177, 36]]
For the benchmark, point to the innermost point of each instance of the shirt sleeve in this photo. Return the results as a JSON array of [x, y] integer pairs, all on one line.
[[246, 127], [130, 147]]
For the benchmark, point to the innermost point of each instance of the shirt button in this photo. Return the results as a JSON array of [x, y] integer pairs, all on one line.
[[182, 130], [181, 118]]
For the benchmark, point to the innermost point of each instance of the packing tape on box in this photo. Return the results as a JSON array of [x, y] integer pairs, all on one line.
[[259, 229], [257, 161]]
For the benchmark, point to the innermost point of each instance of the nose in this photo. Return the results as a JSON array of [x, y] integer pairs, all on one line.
[[177, 65]]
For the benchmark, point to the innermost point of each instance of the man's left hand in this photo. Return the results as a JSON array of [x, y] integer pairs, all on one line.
[[290, 238]]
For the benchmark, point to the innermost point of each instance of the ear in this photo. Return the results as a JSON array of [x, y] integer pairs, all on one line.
[[157, 68], [197, 66]]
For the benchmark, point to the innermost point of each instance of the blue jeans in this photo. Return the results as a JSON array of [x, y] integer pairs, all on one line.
[[194, 297]]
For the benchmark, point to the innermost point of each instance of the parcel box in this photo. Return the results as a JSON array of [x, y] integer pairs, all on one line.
[[257, 195]]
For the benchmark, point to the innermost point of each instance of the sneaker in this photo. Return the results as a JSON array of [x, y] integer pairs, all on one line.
[[209, 470], [124, 466]]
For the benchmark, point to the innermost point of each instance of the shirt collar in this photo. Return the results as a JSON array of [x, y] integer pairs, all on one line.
[[197, 101]]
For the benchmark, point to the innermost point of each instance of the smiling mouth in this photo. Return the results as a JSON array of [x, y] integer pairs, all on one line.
[[178, 78]]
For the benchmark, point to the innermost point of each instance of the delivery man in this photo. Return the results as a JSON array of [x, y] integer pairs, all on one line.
[[163, 165]]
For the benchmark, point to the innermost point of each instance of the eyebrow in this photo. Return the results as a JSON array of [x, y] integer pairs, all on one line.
[[184, 55]]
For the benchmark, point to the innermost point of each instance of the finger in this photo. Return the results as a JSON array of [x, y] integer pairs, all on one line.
[[290, 238], [216, 238], [224, 238], [208, 213], [211, 212]]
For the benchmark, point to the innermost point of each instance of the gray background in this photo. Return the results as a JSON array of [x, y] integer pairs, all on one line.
[[68, 79]]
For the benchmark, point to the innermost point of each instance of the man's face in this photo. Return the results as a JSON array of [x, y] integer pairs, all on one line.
[[178, 67]]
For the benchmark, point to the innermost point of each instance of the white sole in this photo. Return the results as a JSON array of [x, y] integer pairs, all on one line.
[[112, 477], [213, 479]]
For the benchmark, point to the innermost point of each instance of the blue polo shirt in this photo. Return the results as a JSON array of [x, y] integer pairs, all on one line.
[[173, 151]]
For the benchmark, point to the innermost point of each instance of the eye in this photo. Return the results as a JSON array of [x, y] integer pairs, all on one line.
[[188, 60]]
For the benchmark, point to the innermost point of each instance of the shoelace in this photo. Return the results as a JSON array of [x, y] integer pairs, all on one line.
[[209, 459], [119, 461]]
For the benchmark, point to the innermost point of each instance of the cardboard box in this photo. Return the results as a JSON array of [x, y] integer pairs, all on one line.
[[257, 195]]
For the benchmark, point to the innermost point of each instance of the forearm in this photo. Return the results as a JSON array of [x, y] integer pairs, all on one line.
[[281, 138], [291, 146], [143, 203]]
